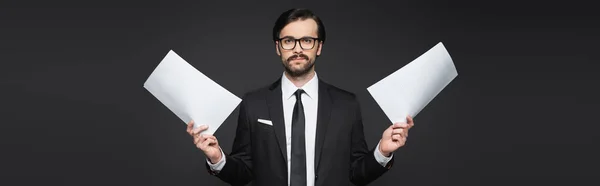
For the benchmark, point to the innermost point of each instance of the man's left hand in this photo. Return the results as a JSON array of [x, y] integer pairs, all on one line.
[[395, 136]]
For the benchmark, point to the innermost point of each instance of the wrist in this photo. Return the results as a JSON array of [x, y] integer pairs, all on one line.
[[216, 159], [384, 153]]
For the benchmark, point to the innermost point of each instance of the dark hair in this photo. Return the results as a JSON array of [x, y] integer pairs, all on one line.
[[294, 15]]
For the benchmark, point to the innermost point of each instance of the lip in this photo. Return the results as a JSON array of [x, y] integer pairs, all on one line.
[[298, 59]]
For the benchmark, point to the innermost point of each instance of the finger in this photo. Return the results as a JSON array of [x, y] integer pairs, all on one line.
[[402, 132], [199, 139], [190, 126], [212, 137], [204, 136], [396, 137], [208, 137], [399, 125], [201, 145], [410, 121], [206, 143], [398, 131], [198, 130], [213, 141]]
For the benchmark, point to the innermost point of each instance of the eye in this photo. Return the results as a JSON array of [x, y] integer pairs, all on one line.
[[287, 41], [307, 40]]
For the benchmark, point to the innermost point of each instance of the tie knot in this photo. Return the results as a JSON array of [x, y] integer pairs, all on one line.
[[298, 93]]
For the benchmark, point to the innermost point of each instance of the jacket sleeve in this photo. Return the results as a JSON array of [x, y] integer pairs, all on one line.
[[364, 168], [238, 167]]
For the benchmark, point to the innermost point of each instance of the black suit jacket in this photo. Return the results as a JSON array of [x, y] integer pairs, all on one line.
[[259, 151]]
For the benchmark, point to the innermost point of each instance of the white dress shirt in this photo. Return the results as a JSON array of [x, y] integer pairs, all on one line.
[[310, 102]]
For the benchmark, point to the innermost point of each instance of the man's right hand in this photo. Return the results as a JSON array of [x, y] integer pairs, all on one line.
[[207, 143]]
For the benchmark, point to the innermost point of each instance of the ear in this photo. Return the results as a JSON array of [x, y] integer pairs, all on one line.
[[277, 48], [319, 48]]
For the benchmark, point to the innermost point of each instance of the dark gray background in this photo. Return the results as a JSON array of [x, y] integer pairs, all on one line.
[[522, 111]]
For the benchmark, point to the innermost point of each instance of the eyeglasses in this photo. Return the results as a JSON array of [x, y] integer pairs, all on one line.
[[306, 43]]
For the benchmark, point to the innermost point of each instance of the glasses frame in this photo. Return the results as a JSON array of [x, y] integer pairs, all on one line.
[[296, 41]]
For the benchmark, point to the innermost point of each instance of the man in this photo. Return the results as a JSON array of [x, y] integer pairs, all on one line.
[[300, 130]]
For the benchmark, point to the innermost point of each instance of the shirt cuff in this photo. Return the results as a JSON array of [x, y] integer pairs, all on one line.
[[219, 165], [381, 159]]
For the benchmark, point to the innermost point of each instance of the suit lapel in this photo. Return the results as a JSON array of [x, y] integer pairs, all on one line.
[[275, 105], [324, 111]]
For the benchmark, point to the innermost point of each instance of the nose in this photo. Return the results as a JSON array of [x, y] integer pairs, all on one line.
[[297, 47]]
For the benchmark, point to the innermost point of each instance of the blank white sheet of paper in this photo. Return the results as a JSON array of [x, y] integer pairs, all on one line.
[[190, 94], [409, 89]]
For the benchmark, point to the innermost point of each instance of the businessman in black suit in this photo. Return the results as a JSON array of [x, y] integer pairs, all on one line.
[[300, 130]]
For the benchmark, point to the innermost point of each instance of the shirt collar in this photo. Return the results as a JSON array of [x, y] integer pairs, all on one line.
[[288, 88]]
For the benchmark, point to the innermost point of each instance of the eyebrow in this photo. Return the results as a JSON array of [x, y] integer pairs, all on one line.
[[285, 37]]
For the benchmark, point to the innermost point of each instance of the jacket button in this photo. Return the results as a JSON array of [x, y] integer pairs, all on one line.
[[316, 177]]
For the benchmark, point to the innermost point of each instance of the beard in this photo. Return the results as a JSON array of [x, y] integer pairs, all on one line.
[[301, 71]]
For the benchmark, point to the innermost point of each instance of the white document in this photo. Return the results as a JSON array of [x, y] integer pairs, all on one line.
[[190, 94], [408, 90]]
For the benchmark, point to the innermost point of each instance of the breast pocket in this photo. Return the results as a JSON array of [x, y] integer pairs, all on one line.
[[263, 127]]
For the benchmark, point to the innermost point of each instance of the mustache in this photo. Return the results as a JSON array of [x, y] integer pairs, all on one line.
[[296, 56]]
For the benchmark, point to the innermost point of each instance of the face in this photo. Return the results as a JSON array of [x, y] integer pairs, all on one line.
[[298, 61]]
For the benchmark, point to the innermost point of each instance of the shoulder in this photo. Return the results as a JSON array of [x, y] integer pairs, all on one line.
[[338, 94], [261, 93], [343, 100], [255, 95]]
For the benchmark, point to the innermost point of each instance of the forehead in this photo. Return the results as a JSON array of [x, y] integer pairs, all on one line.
[[300, 28]]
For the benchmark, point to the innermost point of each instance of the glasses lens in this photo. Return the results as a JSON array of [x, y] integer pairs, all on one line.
[[307, 43], [288, 43]]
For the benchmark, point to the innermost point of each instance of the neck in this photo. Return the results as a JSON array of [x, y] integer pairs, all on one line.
[[300, 81]]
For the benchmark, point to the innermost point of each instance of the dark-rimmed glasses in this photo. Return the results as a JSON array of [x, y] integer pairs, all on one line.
[[306, 43]]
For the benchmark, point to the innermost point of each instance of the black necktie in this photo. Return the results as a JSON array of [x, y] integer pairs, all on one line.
[[298, 169]]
